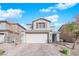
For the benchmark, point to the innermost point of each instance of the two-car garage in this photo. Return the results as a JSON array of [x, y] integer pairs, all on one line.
[[36, 37]]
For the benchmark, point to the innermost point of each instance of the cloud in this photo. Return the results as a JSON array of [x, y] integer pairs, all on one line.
[[49, 9], [59, 6], [45, 10], [62, 6], [10, 13], [54, 10], [52, 18]]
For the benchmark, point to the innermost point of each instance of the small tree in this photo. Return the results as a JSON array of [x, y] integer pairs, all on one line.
[[76, 36], [74, 28]]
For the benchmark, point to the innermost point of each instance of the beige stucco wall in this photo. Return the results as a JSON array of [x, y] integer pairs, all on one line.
[[23, 37]]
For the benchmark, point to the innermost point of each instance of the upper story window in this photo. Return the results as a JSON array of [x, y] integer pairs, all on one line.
[[40, 25]]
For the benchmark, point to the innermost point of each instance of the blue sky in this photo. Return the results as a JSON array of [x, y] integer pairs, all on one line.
[[25, 13]]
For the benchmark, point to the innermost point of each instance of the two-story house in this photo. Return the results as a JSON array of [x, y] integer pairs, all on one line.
[[40, 31], [10, 32]]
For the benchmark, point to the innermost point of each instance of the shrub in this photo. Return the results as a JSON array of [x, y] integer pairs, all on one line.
[[1, 51], [65, 51]]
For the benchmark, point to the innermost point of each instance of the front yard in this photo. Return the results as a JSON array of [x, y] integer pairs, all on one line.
[[38, 49]]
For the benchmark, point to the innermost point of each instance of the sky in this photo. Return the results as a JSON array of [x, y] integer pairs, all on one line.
[[25, 13]]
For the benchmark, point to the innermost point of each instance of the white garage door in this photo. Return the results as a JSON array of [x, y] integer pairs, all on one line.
[[1, 37], [36, 38]]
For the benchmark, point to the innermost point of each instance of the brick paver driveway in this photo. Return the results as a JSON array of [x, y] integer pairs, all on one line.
[[34, 50]]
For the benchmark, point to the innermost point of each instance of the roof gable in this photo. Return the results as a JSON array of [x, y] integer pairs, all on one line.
[[4, 21], [42, 19]]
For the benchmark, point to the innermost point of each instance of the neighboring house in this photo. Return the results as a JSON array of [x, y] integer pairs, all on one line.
[[40, 31], [11, 32]]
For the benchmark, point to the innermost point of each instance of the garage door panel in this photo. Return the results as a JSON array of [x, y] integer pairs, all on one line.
[[1, 37], [36, 38]]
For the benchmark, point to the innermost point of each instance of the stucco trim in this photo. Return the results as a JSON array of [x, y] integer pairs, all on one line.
[[8, 31]]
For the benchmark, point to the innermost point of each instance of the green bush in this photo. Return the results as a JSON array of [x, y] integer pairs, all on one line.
[[1, 51], [65, 51]]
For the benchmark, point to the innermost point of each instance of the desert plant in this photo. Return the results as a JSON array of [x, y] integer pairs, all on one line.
[[1, 51], [65, 51]]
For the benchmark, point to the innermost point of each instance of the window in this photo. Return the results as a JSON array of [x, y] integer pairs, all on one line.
[[40, 25], [2, 27]]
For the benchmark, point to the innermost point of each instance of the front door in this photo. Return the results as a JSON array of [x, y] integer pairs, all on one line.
[[53, 37]]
